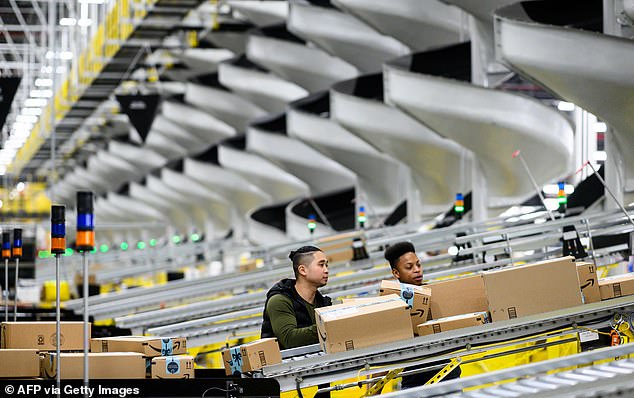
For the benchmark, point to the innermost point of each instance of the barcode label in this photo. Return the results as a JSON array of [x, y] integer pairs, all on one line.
[[436, 328], [349, 345], [262, 358], [512, 312]]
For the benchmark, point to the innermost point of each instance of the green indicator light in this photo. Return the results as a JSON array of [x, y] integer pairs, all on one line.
[[362, 218], [459, 209], [176, 239], [152, 242], [140, 245], [68, 252], [44, 254], [563, 200], [195, 237], [124, 246], [104, 248]]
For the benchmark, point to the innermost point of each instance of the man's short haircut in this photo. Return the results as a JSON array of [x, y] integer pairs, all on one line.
[[395, 251], [303, 255]]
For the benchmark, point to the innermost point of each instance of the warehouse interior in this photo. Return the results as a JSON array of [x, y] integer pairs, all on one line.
[[161, 158]]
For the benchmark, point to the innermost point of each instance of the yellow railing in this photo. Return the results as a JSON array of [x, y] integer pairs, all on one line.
[[116, 28]]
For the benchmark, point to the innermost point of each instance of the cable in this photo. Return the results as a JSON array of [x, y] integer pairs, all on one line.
[[299, 388]]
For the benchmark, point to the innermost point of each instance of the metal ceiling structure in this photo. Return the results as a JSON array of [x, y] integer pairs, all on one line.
[[97, 44]]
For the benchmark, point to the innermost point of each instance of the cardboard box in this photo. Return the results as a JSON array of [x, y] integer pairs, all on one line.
[[42, 335], [417, 297], [102, 365], [587, 273], [340, 256], [146, 345], [251, 356], [173, 367], [344, 327], [452, 323], [616, 286], [357, 300], [457, 296], [248, 266], [532, 289], [19, 363]]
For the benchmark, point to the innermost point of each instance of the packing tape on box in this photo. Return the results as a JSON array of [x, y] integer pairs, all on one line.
[[236, 360], [337, 312], [167, 347], [407, 294], [172, 365]]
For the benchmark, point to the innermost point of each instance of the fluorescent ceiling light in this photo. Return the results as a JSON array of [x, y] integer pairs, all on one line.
[[68, 22], [41, 93], [35, 102], [40, 82], [21, 126], [565, 106], [49, 69], [65, 55], [13, 144], [21, 134], [26, 119], [84, 22], [31, 111]]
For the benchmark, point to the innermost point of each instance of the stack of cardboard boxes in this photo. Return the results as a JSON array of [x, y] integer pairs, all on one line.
[[162, 357], [469, 301], [28, 351]]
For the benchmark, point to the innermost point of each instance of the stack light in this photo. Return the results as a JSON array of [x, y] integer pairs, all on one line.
[[312, 223], [85, 240], [362, 217], [6, 245], [459, 203], [561, 195], [16, 251], [58, 229]]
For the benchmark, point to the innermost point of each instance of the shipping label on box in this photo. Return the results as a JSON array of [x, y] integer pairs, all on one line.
[[452, 323], [251, 356], [146, 345], [417, 298], [101, 365], [532, 289], [616, 286], [42, 335], [173, 367], [345, 327], [587, 273], [19, 363], [457, 296]]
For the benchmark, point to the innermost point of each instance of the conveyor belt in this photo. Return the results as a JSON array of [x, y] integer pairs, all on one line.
[[339, 366], [591, 381]]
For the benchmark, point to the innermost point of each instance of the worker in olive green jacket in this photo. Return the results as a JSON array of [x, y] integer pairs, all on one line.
[[289, 312]]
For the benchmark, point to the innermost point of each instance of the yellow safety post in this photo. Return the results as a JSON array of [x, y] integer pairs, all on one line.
[[454, 363], [378, 386]]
